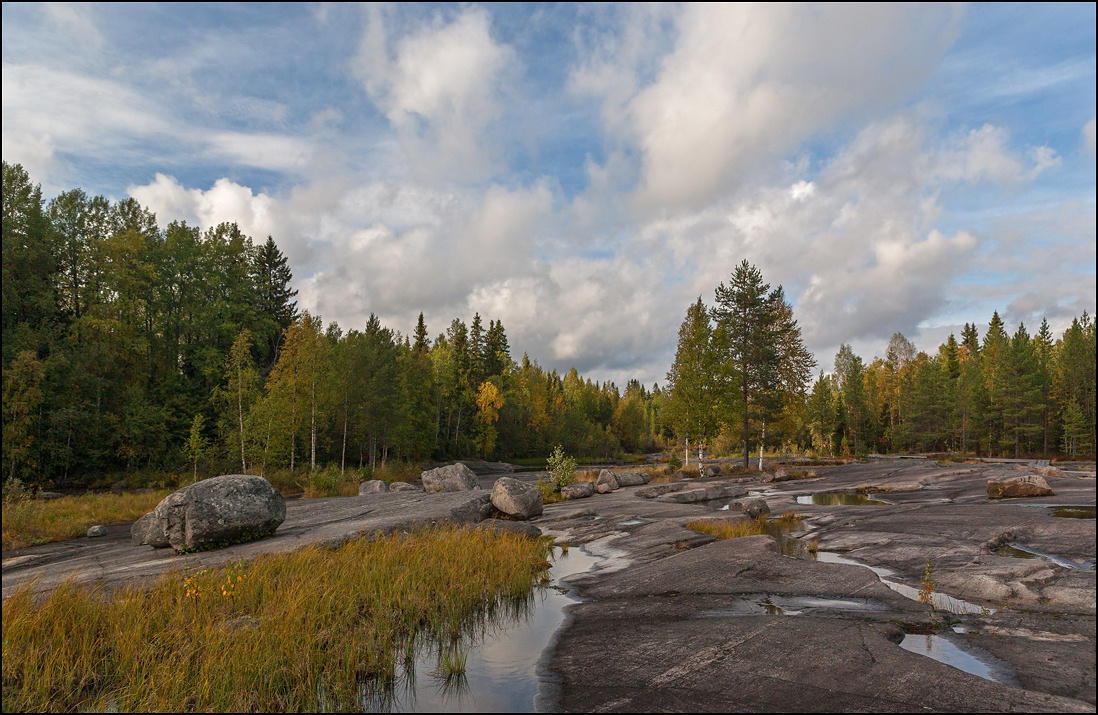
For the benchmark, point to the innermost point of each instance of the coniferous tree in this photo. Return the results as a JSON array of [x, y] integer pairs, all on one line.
[[275, 301], [696, 383]]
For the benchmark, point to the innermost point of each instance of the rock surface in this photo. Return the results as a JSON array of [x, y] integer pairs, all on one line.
[[214, 511], [373, 486], [1030, 485], [517, 499], [700, 494], [451, 478]]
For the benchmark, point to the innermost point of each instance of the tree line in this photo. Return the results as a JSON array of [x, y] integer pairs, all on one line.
[[128, 347], [741, 374]]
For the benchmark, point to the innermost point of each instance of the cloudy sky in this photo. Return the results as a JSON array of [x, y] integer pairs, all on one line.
[[584, 173]]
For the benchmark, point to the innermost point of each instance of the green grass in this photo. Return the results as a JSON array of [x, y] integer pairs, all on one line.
[[300, 631], [28, 522]]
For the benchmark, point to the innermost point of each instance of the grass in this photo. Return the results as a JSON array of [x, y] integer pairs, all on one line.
[[33, 521], [301, 631], [725, 529]]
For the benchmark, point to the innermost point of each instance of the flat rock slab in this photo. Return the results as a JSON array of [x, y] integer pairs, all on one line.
[[113, 560]]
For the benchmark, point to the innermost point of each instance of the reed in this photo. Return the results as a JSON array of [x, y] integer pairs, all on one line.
[[302, 631]]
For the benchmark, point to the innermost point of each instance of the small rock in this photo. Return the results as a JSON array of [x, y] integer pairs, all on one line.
[[755, 508], [1030, 485], [781, 475], [97, 530], [451, 478], [680, 476], [1049, 472], [374, 486], [579, 490], [403, 487], [606, 482], [713, 470], [517, 499]]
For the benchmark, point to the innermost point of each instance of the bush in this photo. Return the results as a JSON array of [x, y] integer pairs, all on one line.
[[562, 469]]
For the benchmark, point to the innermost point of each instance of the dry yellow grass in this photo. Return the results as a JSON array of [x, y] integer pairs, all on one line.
[[724, 529], [32, 521], [310, 630]]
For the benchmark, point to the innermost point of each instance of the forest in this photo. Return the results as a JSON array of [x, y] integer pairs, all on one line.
[[127, 347]]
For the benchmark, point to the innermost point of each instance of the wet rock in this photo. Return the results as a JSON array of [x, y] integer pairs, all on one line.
[[451, 478], [606, 483], [579, 490], [374, 486], [97, 530], [713, 470], [512, 527], [517, 499], [403, 487], [631, 479], [148, 530], [755, 508], [1030, 485], [226, 509]]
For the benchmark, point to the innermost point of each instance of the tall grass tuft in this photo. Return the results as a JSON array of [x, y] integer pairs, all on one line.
[[308, 630], [32, 521], [724, 529]]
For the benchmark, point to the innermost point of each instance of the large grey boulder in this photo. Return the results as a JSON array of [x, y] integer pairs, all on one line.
[[631, 479], [451, 478], [374, 486], [579, 490], [149, 530], [713, 470], [1029, 485], [606, 482], [517, 499], [231, 508]]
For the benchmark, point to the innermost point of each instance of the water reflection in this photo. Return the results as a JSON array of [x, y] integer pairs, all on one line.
[[492, 667], [840, 500], [960, 656], [1018, 551], [1073, 512]]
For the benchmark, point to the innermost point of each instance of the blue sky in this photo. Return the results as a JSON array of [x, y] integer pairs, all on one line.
[[584, 172]]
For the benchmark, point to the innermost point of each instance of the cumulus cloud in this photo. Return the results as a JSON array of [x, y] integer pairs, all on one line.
[[747, 83], [225, 201], [440, 88]]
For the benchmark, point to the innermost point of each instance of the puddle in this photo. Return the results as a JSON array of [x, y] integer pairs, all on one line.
[[767, 604], [631, 522], [1066, 511], [840, 500], [501, 666], [960, 656], [1017, 551], [1073, 512], [940, 601]]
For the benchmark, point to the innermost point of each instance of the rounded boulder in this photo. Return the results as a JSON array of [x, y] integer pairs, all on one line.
[[517, 499]]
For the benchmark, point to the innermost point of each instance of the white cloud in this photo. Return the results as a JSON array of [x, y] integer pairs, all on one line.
[[1088, 136], [439, 87], [747, 83], [225, 201]]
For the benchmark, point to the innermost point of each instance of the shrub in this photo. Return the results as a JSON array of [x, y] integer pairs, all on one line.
[[562, 469]]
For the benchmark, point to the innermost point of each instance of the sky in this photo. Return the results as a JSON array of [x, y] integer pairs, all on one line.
[[585, 172]]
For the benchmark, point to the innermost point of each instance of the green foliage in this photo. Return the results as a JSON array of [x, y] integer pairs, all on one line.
[[562, 469]]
